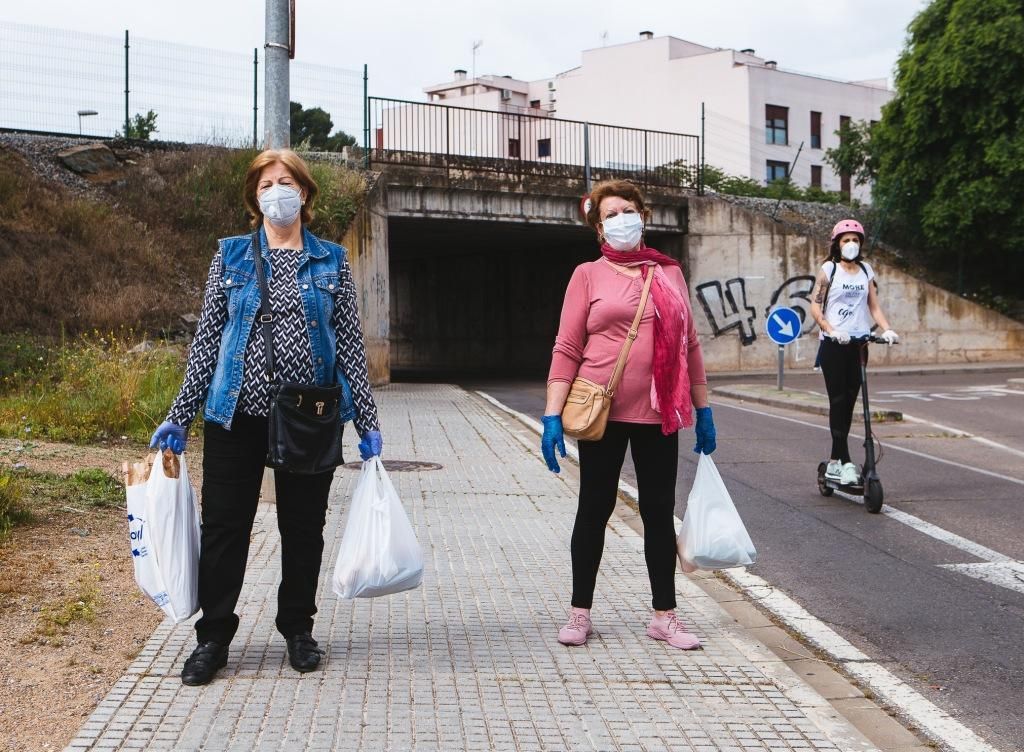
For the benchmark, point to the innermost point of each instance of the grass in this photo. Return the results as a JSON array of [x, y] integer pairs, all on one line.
[[90, 389], [12, 502], [56, 619], [133, 252]]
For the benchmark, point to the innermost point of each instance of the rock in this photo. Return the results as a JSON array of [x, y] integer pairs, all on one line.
[[79, 531], [142, 347], [88, 159]]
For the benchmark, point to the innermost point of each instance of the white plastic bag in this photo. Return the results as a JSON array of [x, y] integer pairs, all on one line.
[[379, 554], [712, 535], [163, 525]]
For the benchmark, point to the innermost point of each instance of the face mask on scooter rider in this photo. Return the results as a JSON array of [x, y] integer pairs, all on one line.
[[623, 231], [851, 250]]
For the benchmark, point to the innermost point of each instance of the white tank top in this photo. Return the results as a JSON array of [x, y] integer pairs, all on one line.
[[847, 305]]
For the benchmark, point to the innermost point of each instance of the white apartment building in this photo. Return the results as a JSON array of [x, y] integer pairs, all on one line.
[[756, 114]]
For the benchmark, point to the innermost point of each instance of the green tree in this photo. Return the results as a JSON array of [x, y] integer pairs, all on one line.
[[950, 146], [311, 129], [140, 127], [856, 155]]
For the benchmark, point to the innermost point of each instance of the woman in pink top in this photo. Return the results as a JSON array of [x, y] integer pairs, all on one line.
[[662, 383]]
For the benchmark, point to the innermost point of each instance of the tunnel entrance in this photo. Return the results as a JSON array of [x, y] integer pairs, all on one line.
[[479, 299]]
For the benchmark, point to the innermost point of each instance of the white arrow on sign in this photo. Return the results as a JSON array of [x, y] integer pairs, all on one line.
[[785, 327]]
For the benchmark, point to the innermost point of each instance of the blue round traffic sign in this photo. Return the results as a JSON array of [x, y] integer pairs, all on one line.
[[783, 325]]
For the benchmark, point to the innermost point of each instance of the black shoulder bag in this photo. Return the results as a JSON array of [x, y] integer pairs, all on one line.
[[304, 421]]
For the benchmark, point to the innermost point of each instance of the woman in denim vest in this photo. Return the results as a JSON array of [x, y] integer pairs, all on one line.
[[317, 339]]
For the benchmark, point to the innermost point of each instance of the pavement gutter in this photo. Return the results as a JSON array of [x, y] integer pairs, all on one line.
[[770, 645]]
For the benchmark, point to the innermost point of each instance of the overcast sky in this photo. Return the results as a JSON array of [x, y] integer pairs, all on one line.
[[409, 45]]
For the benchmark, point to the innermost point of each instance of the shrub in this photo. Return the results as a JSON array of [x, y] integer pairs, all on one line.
[[93, 388], [12, 510]]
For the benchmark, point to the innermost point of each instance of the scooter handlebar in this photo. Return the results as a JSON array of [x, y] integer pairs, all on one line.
[[873, 338]]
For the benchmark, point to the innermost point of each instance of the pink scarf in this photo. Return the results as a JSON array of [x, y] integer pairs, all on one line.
[[670, 384]]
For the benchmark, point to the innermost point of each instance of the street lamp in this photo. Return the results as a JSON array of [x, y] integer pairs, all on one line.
[[82, 114]]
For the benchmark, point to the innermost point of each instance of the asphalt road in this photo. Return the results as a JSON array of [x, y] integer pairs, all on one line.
[[884, 586]]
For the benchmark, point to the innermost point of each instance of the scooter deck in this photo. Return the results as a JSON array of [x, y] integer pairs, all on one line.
[[854, 488]]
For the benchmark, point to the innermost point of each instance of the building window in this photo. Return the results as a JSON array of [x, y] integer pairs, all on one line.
[[815, 130], [534, 104], [776, 170], [543, 147], [816, 176], [844, 123], [776, 120], [513, 148]]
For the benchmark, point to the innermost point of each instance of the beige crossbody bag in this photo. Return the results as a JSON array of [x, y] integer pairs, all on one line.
[[585, 414]]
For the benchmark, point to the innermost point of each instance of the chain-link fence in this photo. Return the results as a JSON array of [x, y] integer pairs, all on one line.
[[59, 81]]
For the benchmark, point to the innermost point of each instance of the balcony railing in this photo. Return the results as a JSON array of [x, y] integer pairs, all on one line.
[[436, 135]]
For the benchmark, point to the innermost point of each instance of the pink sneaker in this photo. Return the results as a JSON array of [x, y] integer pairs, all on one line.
[[577, 629], [670, 629]]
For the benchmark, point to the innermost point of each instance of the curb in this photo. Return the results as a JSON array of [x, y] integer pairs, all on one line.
[[907, 370], [794, 399]]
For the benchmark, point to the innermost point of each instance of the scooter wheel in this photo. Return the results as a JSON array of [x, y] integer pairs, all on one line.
[[822, 488], [873, 496]]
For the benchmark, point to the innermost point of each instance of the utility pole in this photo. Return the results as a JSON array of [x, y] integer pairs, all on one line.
[[277, 115]]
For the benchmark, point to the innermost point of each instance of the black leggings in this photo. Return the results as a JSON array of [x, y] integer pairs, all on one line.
[[232, 474], [655, 457], [840, 364]]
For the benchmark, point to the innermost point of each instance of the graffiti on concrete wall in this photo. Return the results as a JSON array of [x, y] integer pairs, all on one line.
[[726, 306]]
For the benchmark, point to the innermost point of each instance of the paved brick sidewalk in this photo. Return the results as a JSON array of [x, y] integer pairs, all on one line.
[[469, 661]]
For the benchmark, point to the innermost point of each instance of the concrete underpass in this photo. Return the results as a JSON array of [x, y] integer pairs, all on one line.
[[478, 298]]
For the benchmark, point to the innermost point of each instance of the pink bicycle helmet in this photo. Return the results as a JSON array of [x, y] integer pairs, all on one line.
[[847, 225]]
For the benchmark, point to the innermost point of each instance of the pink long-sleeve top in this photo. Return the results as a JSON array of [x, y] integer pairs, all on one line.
[[599, 306]]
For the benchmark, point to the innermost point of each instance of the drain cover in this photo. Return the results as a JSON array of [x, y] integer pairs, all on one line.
[[400, 466]]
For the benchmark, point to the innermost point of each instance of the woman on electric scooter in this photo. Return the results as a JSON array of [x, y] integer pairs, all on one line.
[[845, 304]]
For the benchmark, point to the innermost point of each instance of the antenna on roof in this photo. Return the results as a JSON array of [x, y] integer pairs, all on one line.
[[476, 45], [604, 38]]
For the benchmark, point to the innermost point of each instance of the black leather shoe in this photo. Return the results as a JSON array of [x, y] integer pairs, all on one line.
[[303, 653], [203, 663]]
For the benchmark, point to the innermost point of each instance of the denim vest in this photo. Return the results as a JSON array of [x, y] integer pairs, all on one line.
[[318, 278]]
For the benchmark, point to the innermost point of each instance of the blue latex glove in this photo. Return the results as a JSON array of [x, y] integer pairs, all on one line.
[[371, 445], [705, 431], [169, 436], [552, 439]]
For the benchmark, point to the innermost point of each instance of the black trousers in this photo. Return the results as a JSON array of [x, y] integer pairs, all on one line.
[[840, 365], [656, 459], [232, 474]]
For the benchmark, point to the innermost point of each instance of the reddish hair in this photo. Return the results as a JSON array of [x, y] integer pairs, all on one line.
[[295, 165], [624, 189]]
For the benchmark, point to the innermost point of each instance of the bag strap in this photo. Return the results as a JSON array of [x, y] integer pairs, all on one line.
[[634, 329], [266, 316]]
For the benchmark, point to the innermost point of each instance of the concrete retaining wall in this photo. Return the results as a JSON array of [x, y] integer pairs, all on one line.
[[740, 263]]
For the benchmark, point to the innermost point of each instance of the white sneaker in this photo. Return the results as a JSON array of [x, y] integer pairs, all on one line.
[[849, 476], [834, 470]]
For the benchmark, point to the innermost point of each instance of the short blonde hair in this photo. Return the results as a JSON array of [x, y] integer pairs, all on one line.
[[625, 189], [295, 165]]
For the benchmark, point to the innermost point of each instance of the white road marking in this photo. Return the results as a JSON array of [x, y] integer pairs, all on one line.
[[1005, 574], [929, 718], [932, 720], [960, 433]]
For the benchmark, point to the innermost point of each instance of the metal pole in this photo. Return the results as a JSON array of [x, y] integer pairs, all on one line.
[[126, 121], [782, 363], [788, 173], [255, 95], [586, 155], [700, 166], [366, 117], [277, 116]]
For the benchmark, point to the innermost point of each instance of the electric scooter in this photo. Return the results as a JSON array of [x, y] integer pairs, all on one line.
[[870, 484]]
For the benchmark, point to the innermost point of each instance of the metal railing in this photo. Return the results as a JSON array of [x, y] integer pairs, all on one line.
[[436, 135]]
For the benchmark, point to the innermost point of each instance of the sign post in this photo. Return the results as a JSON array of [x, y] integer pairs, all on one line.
[[782, 327]]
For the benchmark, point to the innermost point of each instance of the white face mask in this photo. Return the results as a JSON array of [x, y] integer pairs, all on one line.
[[851, 250], [280, 204], [623, 231]]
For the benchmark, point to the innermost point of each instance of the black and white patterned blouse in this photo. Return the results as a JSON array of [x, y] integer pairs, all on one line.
[[293, 359]]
